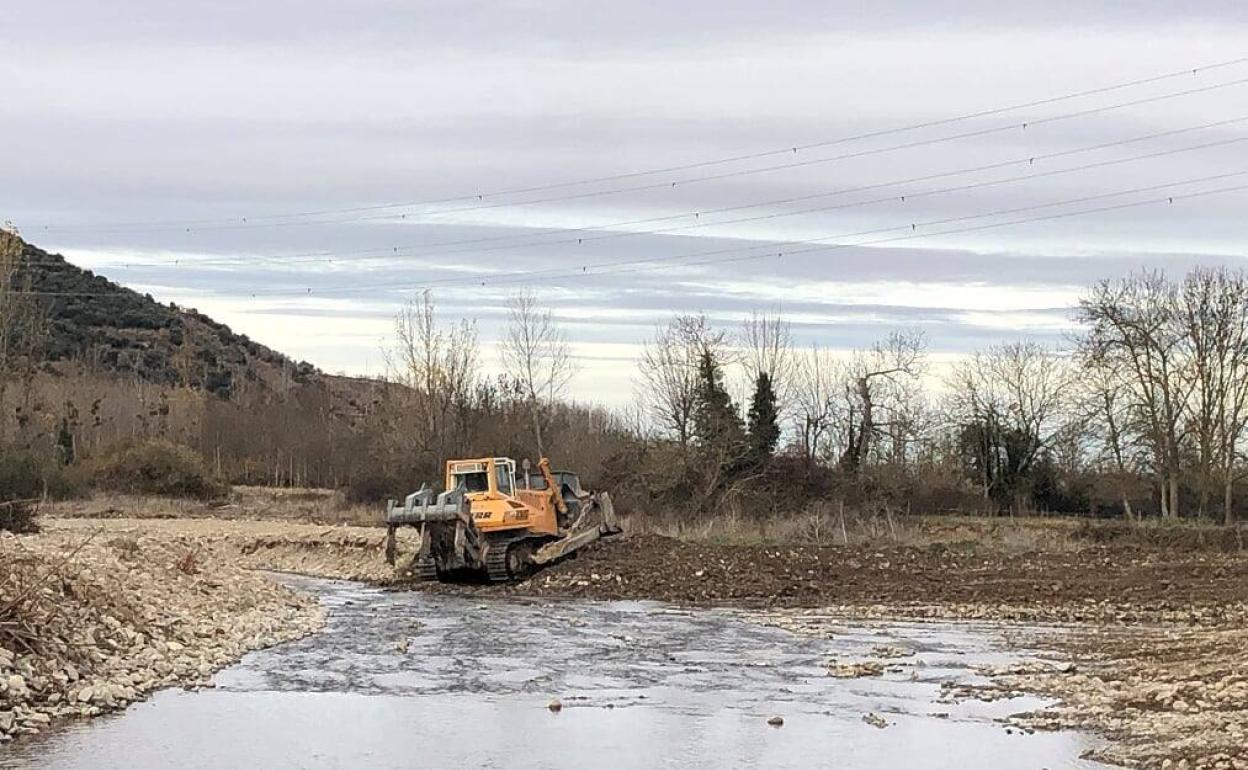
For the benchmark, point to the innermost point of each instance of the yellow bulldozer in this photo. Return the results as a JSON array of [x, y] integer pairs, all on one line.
[[486, 524]]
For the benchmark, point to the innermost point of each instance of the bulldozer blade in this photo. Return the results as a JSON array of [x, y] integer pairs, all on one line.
[[596, 522], [610, 525], [562, 547]]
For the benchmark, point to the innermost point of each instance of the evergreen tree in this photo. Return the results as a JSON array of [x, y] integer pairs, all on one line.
[[763, 428], [716, 424]]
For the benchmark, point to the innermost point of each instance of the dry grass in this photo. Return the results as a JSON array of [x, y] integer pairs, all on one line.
[[830, 524], [314, 506], [827, 523], [189, 563], [821, 523]]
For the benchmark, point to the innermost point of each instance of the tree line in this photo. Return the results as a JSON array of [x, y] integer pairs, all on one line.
[[1142, 413]]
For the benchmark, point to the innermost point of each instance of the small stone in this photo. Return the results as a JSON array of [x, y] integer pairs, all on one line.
[[859, 670], [775, 720], [6, 722], [555, 705], [86, 694], [875, 720]]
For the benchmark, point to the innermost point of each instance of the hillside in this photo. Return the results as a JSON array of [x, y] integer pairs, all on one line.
[[109, 327], [96, 324]]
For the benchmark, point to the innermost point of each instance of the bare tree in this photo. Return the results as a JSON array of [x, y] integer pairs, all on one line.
[[1107, 413], [1014, 397], [439, 365], [876, 386], [767, 348], [1132, 334], [817, 383], [668, 376], [1213, 313], [537, 354]]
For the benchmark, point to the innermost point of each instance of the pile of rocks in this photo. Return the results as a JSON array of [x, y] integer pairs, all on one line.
[[343, 553], [340, 552], [89, 624], [1169, 697]]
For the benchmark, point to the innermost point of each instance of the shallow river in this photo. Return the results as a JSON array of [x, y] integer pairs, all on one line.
[[414, 681]]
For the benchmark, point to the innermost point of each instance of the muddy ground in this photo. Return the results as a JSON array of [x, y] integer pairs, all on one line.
[[1089, 583]]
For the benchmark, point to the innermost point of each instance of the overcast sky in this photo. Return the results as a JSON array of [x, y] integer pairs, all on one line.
[[138, 136]]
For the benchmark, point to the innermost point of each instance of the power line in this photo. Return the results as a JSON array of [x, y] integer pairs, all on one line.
[[263, 220], [798, 164], [1170, 199], [610, 231], [769, 250], [785, 245]]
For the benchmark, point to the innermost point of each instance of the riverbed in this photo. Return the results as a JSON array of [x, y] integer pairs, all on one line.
[[404, 679]]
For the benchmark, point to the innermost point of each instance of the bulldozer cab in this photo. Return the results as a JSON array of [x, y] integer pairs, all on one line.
[[491, 475]]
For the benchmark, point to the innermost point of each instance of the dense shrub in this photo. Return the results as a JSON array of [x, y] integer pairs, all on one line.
[[156, 467], [22, 475], [18, 516], [25, 478], [376, 486]]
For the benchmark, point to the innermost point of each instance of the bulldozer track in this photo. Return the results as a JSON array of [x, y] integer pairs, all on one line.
[[496, 562], [508, 558], [425, 569]]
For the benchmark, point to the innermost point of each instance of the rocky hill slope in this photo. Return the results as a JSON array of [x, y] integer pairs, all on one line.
[[96, 322]]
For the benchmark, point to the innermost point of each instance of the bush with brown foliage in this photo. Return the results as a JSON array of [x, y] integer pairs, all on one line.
[[156, 467]]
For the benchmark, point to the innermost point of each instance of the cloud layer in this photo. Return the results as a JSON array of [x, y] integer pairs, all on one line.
[[223, 111]]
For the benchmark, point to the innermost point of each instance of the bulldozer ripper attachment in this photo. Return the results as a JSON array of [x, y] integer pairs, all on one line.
[[448, 539], [423, 506]]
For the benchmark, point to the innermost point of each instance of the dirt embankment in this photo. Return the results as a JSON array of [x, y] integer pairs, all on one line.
[[338, 552]]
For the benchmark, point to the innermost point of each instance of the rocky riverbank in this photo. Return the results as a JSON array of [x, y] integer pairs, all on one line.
[[91, 619]]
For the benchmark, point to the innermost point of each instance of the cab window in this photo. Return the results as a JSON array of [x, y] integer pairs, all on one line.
[[504, 479], [473, 482]]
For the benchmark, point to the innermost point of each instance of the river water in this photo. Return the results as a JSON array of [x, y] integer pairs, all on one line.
[[405, 680]]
